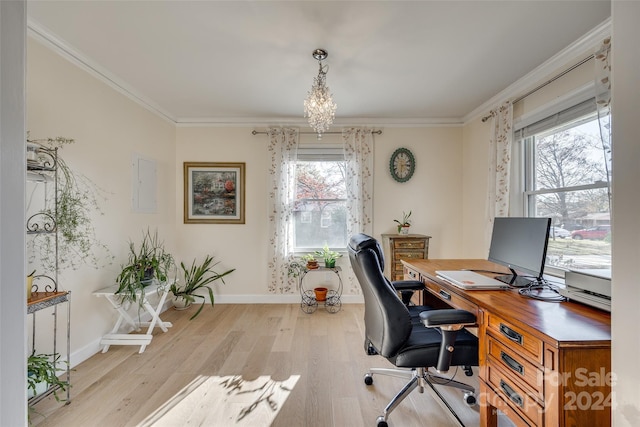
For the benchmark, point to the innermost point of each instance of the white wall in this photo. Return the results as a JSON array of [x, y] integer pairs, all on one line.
[[63, 100], [626, 205], [433, 195]]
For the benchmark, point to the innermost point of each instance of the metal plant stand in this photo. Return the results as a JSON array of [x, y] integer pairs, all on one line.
[[309, 303]]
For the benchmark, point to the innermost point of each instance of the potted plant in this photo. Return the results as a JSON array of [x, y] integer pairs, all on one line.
[[196, 277], [329, 256], [148, 263], [312, 263], [41, 374], [403, 226]]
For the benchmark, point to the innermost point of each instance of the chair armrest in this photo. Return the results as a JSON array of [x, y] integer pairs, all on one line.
[[447, 317], [450, 321], [407, 285]]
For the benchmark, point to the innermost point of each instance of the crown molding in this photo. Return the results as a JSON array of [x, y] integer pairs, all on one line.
[[44, 36], [578, 50], [301, 122]]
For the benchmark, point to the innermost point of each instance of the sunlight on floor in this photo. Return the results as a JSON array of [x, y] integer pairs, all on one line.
[[224, 401]]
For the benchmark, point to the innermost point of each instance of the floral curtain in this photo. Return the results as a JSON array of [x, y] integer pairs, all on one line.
[[603, 103], [499, 165], [283, 146], [358, 154]]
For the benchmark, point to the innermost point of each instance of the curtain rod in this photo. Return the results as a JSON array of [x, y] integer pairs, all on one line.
[[255, 132], [537, 88]]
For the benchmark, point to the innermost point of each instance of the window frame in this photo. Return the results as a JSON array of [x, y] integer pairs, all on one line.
[[523, 155]]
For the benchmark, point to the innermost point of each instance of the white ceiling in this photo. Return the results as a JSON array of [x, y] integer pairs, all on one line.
[[250, 61]]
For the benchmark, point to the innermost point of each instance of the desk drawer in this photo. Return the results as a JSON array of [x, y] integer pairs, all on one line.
[[407, 255], [515, 338], [451, 298], [516, 397], [409, 243], [518, 367]]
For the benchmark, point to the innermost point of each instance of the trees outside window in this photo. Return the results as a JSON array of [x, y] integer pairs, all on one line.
[[566, 179], [320, 205]]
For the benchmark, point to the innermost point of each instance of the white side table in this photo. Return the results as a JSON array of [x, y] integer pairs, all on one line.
[[141, 339]]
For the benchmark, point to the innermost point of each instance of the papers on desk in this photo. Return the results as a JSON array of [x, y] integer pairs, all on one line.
[[470, 280]]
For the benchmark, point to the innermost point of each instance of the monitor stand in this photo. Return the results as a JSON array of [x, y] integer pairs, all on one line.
[[515, 280]]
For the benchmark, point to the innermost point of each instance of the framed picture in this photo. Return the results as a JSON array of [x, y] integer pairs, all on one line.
[[213, 193]]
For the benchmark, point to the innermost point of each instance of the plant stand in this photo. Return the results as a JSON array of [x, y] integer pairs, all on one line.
[[144, 339], [308, 302]]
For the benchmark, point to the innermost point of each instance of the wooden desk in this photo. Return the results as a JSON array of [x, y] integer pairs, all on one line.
[[541, 363]]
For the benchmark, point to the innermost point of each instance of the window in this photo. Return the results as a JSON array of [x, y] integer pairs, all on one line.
[[320, 204], [566, 178]]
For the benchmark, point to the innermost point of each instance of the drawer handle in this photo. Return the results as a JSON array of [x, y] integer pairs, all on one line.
[[444, 294], [515, 397], [512, 363], [412, 274], [510, 333]]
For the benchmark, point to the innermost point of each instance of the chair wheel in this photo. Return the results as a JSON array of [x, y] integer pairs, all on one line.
[[368, 379], [382, 422], [469, 398], [468, 371]]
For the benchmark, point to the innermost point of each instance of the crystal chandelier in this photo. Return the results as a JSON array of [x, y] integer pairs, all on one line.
[[319, 106]]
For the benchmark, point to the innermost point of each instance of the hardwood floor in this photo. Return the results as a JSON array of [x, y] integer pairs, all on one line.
[[235, 365]]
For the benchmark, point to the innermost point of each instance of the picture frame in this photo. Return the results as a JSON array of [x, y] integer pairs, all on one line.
[[214, 193]]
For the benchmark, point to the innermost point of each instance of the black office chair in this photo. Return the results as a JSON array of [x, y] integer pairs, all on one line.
[[411, 337]]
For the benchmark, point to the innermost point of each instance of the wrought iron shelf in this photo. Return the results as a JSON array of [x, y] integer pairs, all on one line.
[[41, 300]]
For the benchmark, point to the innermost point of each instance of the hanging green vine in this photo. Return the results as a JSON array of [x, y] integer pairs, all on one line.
[[79, 199]]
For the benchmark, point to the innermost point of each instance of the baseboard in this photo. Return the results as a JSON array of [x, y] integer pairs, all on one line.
[[277, 299]]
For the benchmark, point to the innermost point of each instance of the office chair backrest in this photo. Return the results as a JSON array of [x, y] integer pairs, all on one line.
[[386, 318]]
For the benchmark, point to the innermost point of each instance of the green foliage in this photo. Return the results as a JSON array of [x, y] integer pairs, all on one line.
[[405, 220], [295, 268], [198, 276], [327, 254], [309, 257], [150, 261], [78, 198], [42, 368]]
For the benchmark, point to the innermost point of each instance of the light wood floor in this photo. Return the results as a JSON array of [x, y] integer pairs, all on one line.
[[254, 365]]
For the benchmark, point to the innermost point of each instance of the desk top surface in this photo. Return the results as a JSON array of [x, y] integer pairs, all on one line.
[[566, 323]]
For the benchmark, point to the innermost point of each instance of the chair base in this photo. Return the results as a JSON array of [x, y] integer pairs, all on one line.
[[418, 378]]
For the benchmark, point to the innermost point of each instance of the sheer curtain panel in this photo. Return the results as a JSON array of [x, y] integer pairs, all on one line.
[[283, 146], [358, 155], [499, 165], [603, 104]]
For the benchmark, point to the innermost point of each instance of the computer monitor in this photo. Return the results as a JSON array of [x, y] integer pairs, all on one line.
[[520, 244]]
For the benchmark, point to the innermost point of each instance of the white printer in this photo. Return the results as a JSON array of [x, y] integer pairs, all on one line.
[[589, 286]]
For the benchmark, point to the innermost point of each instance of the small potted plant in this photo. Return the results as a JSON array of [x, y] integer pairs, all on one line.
[[329, 256], [197, 276], [312, 262], [148, 263], [403, 226], [41, 374]]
